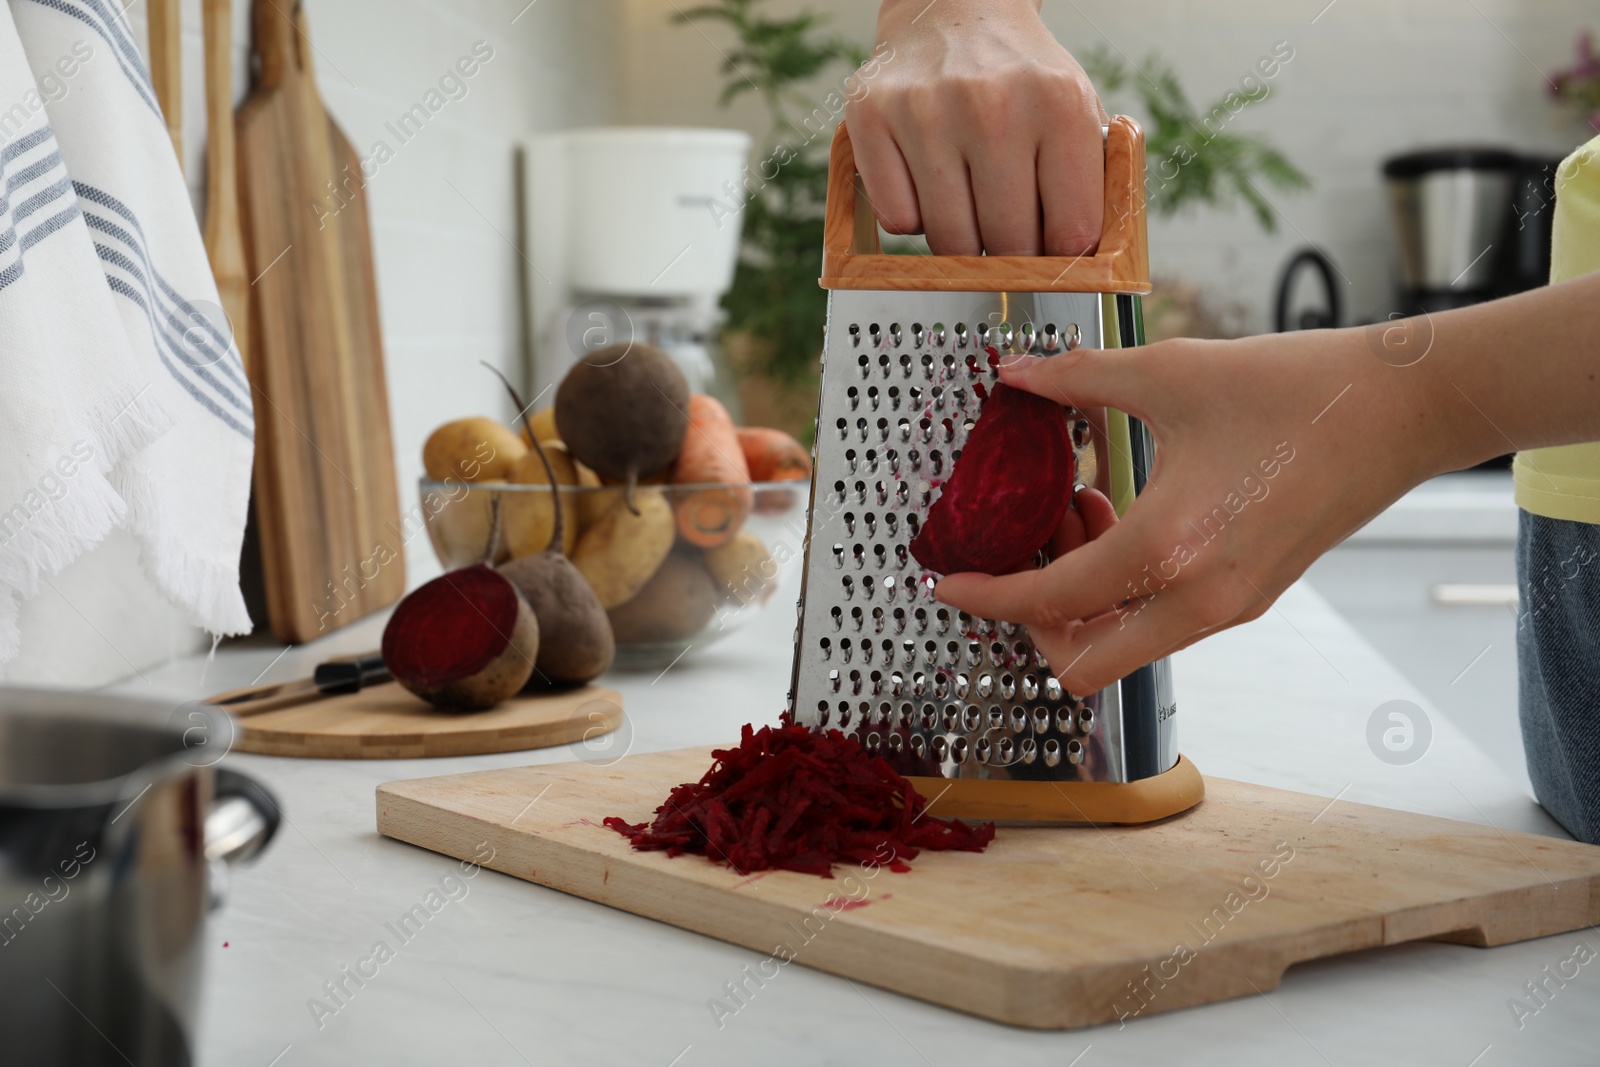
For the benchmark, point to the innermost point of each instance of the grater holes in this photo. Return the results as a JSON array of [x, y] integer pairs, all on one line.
[[876, 678], [871, 456], [958, 750], [882, 492], [1085, 721], [963, 686], [937, 333], [856, 617], [942, 616], [1008, 686], [890, 523], [871, 522], [881, 554], [985, 685], [925, 429], [866, 587], [1052, 689], [1030, 687], [874, 741], [930, 651], [936, 461], [849, 519], [974, 653], [864, 365], [855, 683], [1063, 720], [936, 395], [903, 427], [838, 555], [940, 748], [961, 335], [849, 586], [1052, 752], [897, 682], [905, 364], [861, 492], [1074, 338], [855, 335], [894, 332], [1050, 340], [981, 334], [845, 649], [1027, 751], [897, 744], [858, 555], [884, 364], [850, 460], [1074, 751], [899, 620], [853, 396], [893, 393], [861, 428], [1019, 719], [1081, 435], [941, 686], [844, 429], [927, 365], [919, 747], [833, 679], [888, 652], [949, 362], [901, 556], [838, 624], [876, 333], [888, 586], [826, 645], [917, 335], [914, 394], [971, 718], [974, 368], [921, 615]]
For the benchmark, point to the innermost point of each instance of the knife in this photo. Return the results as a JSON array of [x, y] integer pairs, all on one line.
[[342, 674]]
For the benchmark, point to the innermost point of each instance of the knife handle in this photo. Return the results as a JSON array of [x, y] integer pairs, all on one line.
[[350, 674]]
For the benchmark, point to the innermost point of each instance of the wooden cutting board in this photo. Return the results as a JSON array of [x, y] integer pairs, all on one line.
[[1051, 927], [325, 494], [386, 722]]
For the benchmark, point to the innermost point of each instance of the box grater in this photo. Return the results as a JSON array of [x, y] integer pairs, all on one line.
[[967, 707]]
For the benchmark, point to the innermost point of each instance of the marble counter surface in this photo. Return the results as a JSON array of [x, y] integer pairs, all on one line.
[[514, 973]]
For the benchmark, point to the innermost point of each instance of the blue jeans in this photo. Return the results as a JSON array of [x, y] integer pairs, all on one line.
[[1558, 661]]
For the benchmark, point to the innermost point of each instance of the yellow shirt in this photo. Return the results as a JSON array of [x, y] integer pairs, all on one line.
[[1564, 483]]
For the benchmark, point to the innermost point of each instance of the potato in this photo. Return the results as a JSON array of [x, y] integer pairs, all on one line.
[[622, 550], [592, 505], [742, 569], [475, 450], [677, 602], [544, 426], [459, 528], [529, 517]]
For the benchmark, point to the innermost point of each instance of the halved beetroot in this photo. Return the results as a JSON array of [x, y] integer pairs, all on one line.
[[1008, 492], [465, 641]]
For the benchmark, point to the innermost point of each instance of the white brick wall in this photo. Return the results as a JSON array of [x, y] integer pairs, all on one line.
[[1370, 78]]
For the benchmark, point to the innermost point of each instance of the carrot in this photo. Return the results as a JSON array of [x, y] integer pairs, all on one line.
[[773, 456], [711, 453]]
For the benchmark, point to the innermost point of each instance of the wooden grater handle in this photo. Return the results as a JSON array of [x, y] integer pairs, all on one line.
[[852, 257]]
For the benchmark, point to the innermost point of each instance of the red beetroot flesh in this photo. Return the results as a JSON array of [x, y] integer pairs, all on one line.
[[451, 627], [1007, 494], [790, 799]]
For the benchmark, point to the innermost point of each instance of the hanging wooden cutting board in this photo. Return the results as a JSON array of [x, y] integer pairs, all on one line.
[[1052, 927], [325, 493]]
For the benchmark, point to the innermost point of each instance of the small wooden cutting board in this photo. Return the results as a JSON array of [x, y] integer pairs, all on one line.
[[1052, 927], [386, 722]]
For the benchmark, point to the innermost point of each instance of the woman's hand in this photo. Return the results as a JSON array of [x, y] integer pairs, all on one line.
[[1271, 450], [981, 131]]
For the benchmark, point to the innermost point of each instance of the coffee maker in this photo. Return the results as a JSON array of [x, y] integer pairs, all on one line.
[[1473, 223]]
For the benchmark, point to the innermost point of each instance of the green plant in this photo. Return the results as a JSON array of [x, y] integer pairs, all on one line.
[[1192, 158], [774, 295]]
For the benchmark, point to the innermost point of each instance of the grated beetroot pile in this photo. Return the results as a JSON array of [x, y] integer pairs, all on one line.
[[790, 799]]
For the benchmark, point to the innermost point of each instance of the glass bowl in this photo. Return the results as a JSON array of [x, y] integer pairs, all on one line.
[[697, 595]]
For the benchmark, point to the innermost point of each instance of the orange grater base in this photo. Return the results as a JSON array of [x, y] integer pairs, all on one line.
[[1009, 800]]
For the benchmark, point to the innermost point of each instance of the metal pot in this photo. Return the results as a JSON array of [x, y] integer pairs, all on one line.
[[115, 835]]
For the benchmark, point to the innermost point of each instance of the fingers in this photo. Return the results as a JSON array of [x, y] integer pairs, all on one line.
[[883, 169], [1090, 515], [1071, 181], [1080, 584], [1090, 656], [1087, 378], [1007, 198], [1098, 514], [944, 200]]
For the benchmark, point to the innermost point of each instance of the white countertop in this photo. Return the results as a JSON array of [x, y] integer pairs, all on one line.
[[515, 973]]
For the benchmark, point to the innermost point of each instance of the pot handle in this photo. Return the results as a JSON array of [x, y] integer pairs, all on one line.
[[244, 817]]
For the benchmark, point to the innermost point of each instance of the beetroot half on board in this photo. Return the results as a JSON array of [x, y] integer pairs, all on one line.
[[463, 642], [1007, 494]]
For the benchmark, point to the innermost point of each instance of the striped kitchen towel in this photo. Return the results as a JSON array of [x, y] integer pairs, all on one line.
[[123, 401]]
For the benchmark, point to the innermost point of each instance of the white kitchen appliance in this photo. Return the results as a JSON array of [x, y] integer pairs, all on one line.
[[631, 233]]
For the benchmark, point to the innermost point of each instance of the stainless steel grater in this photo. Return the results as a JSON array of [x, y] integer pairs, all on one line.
[[967, 706]]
